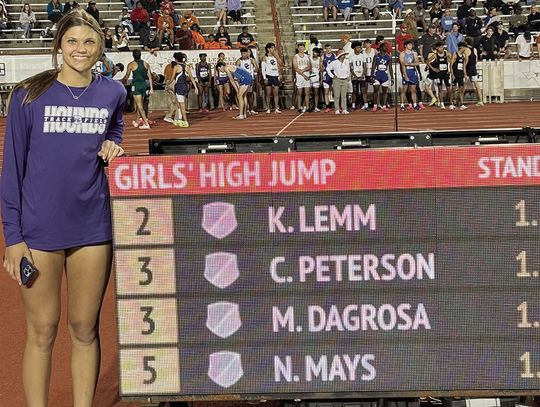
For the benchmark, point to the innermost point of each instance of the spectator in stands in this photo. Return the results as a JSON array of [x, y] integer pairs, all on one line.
[[220, 9], [312, 43], [124, 19], [152, 43], [106, 67], [509, 6], [370, 8], [436, 11], [211, 42], [420, 15], [109, 39], [396, 6], [198, 39], [533, 19], [538, 45], [346, 45], [245, 39], [463, 11], [297, 3], [139, 17], [151, 6], [130, 4], [27, 20], [412, 28], [487, 46], [329, 6], [427, 41], [93, 11], [70, 5], [189, 18], [222, 33], [346, 7], [438, 29], [339, 71], [379, 39], [54, 11], [165, 25], [169, 6], [473, 27], [235, 11], [517, 22], [4, 21], [447, 21], [497, 4], [491, 18], [453, 38], [184, 37], [120, 39], [402, 37], [524, 44], [502, 38]]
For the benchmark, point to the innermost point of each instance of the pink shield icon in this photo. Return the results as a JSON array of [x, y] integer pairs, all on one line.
[[219, 219], [225, 368]]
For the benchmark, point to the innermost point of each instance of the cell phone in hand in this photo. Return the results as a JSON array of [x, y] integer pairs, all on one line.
[[29, 272]]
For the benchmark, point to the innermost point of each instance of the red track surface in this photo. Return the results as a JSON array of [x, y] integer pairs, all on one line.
[[218, 125]]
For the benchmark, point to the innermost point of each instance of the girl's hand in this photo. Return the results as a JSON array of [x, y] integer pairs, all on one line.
[[13, 257], [110, 150]]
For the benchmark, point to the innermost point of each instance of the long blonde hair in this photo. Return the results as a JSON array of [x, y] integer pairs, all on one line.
[[36, 85]]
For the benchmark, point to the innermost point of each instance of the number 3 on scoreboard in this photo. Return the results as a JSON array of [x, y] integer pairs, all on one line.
[[150, 369]]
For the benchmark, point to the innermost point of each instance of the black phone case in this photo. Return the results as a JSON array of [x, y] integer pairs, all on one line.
[[28, 272]]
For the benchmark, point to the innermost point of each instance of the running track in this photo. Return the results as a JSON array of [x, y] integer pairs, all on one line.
[[219, 125]]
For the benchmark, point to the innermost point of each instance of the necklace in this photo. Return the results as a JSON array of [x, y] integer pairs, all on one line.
[[78, 96]]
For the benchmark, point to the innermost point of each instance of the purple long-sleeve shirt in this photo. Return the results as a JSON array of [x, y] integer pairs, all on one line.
[[54, 191]]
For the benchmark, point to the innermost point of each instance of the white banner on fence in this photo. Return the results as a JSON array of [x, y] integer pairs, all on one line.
[[14, 68]]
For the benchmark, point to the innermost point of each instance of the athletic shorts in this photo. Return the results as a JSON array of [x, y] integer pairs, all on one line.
[[222, 81], [459, 80], [443, 77], [359, 83], [138, 88], [272, 81], [474, 78], [413, 77], [329, 3], [180, 98], [326, 85], [385, 84], [301, 82]]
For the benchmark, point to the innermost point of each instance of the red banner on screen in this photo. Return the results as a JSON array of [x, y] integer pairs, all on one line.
[[439, 167]]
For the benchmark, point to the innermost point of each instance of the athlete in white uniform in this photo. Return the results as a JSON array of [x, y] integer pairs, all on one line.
[[270, 67], [315, 76], [302, 68], [358, 68]]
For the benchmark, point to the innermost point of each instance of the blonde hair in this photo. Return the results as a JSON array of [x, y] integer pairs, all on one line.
[[36, 85]]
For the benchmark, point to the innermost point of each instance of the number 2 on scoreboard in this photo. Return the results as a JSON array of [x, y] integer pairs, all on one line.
[[142, 231]]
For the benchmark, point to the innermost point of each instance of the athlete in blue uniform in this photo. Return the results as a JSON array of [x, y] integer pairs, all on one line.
[[241, 80], [409, 62], [382, 77]]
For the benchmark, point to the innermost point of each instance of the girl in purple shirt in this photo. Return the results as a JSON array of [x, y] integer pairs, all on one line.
[[62, 125]]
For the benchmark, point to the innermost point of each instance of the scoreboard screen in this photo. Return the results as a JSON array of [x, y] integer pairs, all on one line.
[[335, 272]]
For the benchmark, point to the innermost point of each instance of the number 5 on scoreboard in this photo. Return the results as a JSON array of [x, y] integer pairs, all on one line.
[[149, 371]]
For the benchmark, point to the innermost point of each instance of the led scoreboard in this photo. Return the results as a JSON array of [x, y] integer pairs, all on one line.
[[384, 271]]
